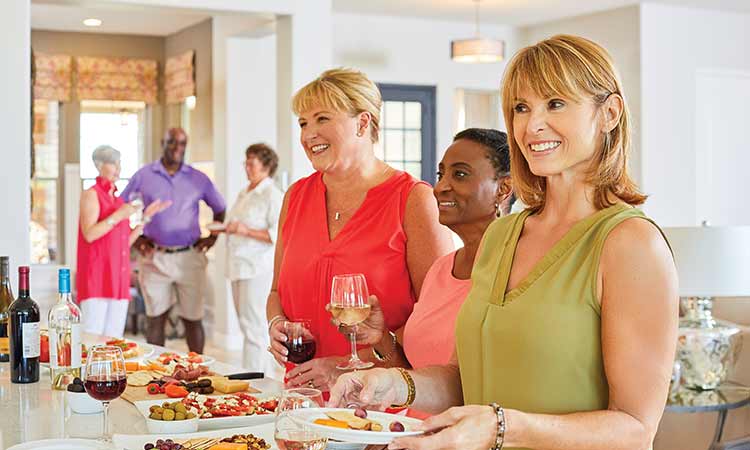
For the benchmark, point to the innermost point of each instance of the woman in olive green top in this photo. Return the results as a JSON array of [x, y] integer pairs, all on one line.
[[570, 327]]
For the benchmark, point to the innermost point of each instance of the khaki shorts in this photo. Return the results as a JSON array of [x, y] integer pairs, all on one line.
[[174, 278]]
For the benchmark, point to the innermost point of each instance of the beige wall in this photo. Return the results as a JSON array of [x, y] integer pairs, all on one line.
[[91, 44], [198, 38], [618, 31]]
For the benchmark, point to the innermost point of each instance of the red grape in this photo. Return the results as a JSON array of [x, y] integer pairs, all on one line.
[[396, 426], [361, 413]]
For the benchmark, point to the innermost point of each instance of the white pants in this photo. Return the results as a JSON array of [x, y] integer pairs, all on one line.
[[250, 297], [105, 316]]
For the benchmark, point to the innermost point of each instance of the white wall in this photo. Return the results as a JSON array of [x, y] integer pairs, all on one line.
[[617, 31], [15, 111], [677, 44], [416, 51]]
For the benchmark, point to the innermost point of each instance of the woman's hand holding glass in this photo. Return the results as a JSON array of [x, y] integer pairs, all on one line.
[[369, 332], [278, 338]]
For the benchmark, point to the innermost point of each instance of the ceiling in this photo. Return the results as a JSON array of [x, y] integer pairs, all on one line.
[[511, 12], [115, 19], [123, 19]]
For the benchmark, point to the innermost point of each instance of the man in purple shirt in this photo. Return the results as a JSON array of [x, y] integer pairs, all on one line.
[[172, 261]]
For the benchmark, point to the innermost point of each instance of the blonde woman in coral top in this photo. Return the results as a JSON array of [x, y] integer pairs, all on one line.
[[355, 214]]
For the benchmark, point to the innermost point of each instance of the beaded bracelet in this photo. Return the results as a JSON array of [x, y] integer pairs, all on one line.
[[500, 438], [412, 390]]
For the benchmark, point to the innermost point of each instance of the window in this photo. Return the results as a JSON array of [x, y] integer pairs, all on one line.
[[118, 124], [45, 185], [407, 135]]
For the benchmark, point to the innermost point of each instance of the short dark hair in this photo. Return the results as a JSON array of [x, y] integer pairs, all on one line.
[[265, 155], [496, 143]]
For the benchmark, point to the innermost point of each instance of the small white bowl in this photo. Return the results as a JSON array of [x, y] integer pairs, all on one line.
[[82, 403], [172, 426]]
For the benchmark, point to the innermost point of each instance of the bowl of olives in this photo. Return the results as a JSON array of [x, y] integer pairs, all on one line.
[[171, 417], [79, 401]]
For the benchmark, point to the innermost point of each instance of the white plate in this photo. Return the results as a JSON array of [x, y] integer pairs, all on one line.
[[308, 416], [137, 441], [207, 360], [214, 423], [62, 444]]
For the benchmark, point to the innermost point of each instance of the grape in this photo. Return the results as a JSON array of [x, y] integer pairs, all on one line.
[[159, 442], [169, 441], [361, 413], [396, 426], [148, 446]]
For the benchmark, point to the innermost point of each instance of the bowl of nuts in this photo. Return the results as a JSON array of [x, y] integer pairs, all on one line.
[[171, 417]]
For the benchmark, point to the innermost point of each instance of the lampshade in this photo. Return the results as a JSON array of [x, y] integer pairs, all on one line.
[[477, 50], [711, 261]]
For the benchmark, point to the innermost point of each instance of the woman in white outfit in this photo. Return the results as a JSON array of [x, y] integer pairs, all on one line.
[[252, 229]]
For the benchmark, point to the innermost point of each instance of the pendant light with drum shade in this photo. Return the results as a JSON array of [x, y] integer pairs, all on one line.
[[478, 49]]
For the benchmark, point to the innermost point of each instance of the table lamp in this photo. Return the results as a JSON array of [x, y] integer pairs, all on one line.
[[711, 262]]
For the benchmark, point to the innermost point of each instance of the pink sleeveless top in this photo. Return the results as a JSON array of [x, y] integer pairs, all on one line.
[[103, 269], [372, 242]]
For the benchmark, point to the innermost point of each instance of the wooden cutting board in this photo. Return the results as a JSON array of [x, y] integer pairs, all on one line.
[[139, 393]]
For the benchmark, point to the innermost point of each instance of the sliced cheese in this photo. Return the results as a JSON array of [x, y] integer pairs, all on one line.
[[228, 446], [353, 421]]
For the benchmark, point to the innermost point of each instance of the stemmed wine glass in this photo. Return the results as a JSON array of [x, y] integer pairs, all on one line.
[[300, 341], [105, 378], [350, 306], [294, 434], [136, 201]]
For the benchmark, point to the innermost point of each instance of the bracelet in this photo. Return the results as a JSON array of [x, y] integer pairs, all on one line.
[[275, 319], [500, 438], [388, 356], [412, 389]]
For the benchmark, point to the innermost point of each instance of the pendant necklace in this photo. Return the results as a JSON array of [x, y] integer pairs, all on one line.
[[337, 214]]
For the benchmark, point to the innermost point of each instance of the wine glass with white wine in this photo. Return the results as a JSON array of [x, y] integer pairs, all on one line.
[[291, 434], [350, 306]]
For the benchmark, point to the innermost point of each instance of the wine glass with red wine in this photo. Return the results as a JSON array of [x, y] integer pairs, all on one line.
[[350, 305], [293, 434], [300, 341], [105, 378]]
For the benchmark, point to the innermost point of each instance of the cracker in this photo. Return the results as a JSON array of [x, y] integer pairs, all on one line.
[[140, 378]]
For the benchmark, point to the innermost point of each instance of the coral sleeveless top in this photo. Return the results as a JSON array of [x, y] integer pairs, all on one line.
[[103, 266], [372, 242], [537, 348]]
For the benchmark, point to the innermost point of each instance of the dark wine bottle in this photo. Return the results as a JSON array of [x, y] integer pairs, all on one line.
[[23, 321], [6, 298]]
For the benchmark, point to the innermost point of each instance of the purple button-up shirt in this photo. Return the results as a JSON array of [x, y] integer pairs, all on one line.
[[176, 226]]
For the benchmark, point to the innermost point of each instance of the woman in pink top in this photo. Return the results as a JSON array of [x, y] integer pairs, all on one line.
[[473, 188]]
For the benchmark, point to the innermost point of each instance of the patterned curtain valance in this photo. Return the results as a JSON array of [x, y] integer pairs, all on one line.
[[179, 77], [53, 77], [117, 79]]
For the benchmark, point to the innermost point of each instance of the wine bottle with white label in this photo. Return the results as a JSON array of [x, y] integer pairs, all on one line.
[[23, 324], [64, 320]]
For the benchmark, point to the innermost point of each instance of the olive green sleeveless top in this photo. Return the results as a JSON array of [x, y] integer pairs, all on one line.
[[537, 348]]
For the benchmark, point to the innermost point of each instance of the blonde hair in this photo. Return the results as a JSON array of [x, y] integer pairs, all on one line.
[[342, 90], [575, 68]]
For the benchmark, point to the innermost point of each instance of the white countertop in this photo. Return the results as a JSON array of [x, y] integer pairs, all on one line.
[[35, 411]]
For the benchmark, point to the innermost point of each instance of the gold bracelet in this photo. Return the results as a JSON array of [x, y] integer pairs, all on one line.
[[388, 356], [412, 389]]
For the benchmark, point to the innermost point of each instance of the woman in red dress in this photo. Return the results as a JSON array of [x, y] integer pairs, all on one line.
[[355, 214], [104, 239]]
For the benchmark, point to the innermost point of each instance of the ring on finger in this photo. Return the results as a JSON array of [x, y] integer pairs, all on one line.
[[311, 384]]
